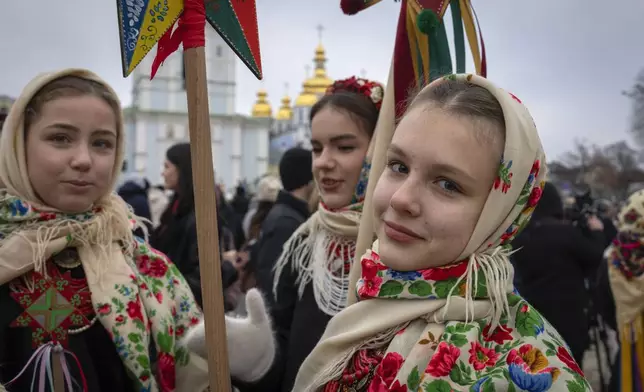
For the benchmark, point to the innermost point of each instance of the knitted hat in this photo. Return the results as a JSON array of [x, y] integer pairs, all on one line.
[[550, 204], [295, 168], [268, 189]]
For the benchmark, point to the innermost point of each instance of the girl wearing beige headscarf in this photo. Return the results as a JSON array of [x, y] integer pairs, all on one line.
[[625, 258], [78, 291], [437, 310]]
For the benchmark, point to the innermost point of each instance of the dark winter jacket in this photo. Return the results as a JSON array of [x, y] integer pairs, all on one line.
[[179, 243], [229, 220], [552, 262], [135, 193], [296, 330]]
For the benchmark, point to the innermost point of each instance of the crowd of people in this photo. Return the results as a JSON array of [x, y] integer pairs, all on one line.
[[477, 278]]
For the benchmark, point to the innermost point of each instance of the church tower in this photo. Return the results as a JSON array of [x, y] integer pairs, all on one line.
[[312, 89]]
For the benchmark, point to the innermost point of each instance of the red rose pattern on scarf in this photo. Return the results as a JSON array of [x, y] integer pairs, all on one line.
[[156, 304], [524, 353], [528, 198]]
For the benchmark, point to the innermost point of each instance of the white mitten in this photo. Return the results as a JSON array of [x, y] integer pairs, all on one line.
[[251, 345]]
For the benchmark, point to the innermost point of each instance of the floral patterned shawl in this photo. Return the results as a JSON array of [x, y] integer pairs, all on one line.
[[458, 327], [136, 293], [625, 258]]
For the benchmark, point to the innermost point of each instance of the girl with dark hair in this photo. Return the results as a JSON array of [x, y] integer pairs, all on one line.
[[176, 235], [311, 277]]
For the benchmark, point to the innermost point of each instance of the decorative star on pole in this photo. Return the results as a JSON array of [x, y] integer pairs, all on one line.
[[146, 23], [143, 23]]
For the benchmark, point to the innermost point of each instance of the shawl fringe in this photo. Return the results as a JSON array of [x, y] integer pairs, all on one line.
[[312, 252]]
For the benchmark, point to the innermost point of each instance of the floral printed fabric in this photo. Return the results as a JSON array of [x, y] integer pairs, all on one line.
[[525, 353], [626, 275], [146, 301], [154, 304]]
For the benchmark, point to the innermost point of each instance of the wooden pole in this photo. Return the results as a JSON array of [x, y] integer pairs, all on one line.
[[203, 177]]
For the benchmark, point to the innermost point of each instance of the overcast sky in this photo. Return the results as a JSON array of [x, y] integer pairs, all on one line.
[[569, 60]]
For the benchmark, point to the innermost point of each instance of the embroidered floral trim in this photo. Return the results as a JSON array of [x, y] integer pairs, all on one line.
[[380, 281], [53, 307]]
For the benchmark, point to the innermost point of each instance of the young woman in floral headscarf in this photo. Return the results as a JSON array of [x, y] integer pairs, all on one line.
[[312, 274], [78, 292], [626, 276], [437, 309]]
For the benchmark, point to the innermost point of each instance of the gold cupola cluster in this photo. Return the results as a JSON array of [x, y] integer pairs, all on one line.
[[313, 88]]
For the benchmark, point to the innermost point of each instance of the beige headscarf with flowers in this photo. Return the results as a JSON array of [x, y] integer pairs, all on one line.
[[625, 258], [100, 240], [373, 323], [108, 252]]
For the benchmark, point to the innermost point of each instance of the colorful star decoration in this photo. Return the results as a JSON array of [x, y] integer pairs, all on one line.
[[51, 309], [143, 22], [236, 22]]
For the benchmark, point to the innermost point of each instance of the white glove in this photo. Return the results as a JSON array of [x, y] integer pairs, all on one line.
[[251, 345]]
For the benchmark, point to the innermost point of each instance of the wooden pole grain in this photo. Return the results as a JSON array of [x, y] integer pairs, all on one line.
[[206, 212]]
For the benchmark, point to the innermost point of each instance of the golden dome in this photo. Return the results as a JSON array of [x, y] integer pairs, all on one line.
[[262, 107], [307, 98], [319, 82], [285, 112], [315, 86]]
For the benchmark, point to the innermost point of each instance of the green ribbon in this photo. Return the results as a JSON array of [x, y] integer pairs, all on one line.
[[459, 36]]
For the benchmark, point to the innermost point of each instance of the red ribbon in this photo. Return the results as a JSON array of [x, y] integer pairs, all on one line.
[[191, 31]]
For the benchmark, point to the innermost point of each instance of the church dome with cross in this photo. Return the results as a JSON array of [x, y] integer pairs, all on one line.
[[285, 111], [262, 107], [316, 85]]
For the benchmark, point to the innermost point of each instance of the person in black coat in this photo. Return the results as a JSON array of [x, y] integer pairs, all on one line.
[[287, 214], [176, 235], [552, 261], [135, 193]]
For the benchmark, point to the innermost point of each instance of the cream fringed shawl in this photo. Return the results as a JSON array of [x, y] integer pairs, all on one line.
[[117, 266], [436, 339], [321, 251], [315, 252]]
